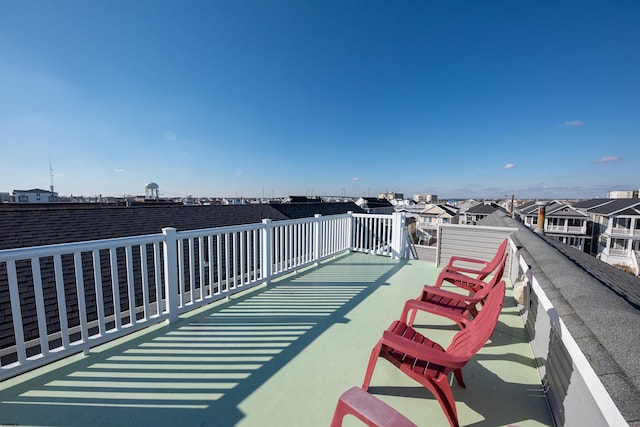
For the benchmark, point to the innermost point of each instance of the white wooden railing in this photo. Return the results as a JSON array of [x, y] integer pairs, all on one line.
[[62, 299]]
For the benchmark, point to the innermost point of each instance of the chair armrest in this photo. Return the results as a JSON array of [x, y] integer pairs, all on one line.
[[452, 260], [460, 280], [456, 258], [414, 304], [421, 351], [453, 295]]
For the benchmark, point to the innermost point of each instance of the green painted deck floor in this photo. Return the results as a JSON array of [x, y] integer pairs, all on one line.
[[280, 356]]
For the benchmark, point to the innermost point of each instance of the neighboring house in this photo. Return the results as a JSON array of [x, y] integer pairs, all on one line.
[[35, 195], [480, 211], [373, 205], [425, 198], [430, 218], [562, 222], [463, 207], [616, 224]]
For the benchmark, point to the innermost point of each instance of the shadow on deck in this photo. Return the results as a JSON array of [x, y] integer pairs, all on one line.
[[279, 356]]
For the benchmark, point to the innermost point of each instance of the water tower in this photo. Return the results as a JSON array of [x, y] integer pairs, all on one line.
[[151, 191]]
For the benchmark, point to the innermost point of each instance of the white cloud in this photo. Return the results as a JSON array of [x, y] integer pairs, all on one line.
[[509, 166], [119, 170], [574, 123], [608, 159], [355, 179]]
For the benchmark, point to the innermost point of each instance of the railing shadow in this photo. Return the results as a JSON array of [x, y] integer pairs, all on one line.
[[198, 370]]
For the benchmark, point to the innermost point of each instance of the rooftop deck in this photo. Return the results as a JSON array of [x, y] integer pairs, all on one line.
[[280, 356]]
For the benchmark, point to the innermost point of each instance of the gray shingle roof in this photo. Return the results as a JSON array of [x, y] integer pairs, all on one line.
[[484, 208], [591, 203], [23, 226], [614, 206], [308, 210]]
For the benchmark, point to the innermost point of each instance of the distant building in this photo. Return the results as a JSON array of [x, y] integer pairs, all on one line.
[[622, 194], [389, 195], [35, 195], [425, 198]]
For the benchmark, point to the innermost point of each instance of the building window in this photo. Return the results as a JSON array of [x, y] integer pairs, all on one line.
[[23, 199], [574, 222], [621, 223], [556, 222], [619, 244]]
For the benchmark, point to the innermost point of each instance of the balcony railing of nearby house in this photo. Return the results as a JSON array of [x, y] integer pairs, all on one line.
[[70, 297], [567, 229]]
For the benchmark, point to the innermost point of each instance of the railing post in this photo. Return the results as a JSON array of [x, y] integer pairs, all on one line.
[[267, 251], [317, 238], [397, 236], [171, 272], [350, 230]]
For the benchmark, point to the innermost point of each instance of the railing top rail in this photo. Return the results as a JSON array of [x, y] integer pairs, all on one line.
[[309, 219], [366, 215], [218, 230], [66, 248], [478, 227]]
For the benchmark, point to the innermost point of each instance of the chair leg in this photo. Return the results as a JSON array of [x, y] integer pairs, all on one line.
[[375, 353], [446, 400], [458, 374]]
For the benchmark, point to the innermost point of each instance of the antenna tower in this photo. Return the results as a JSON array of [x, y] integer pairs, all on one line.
[[51, 175]]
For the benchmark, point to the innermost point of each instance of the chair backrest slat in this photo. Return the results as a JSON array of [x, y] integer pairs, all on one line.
[[470, 340]]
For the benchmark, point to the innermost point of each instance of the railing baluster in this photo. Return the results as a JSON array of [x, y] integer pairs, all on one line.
[[62, 304], [219, 262], [144, 271], [82, 305], [181, 280], [115, 289], [97, 278], [16, 312], [40, 310], [234, 261], [131, 297], [242, 238], [158, 277], [192, 273], [202, 280], [211, 264], [227, 261]]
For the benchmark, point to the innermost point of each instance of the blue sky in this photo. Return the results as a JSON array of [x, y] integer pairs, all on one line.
[[227, 98]]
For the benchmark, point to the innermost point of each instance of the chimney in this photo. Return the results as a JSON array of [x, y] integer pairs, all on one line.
[[542, 207]]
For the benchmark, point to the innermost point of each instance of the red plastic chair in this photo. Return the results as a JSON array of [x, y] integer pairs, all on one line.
[[483, 270], [371, 411], [457, 307], [429, 363]]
